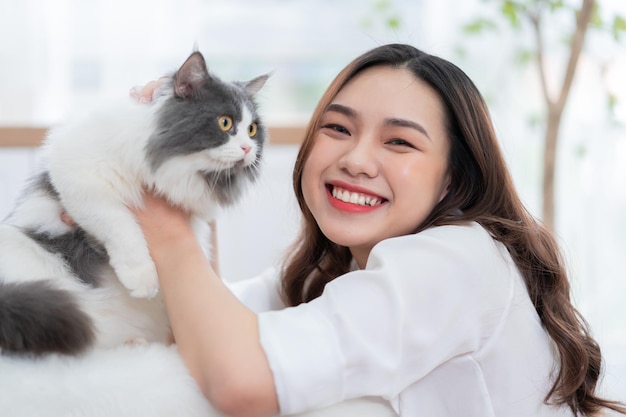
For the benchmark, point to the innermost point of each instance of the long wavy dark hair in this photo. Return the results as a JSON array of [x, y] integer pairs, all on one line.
[[481, 190]]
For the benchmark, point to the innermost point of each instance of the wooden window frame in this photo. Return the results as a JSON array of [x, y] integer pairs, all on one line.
[[21, 136]]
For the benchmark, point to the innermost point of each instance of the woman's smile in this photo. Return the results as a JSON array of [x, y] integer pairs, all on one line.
[[353, 199]]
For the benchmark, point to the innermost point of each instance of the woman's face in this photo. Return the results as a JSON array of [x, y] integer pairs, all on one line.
[[378, 165]]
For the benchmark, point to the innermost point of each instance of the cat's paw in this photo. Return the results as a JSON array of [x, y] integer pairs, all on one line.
[[148, 292], [141, 281]]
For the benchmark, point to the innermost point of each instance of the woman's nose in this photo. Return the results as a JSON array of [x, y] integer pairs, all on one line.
[[360, 158]]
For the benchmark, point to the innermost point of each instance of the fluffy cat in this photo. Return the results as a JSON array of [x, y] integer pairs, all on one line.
[[89, 288], [66, 288]]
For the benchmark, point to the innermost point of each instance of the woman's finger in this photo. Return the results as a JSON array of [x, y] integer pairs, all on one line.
[[65, 218], [145, 93]]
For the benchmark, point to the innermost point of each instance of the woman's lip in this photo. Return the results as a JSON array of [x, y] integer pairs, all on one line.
[[354, 189], [349, 207]]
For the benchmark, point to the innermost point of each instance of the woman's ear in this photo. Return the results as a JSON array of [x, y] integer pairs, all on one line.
[[445, 189]]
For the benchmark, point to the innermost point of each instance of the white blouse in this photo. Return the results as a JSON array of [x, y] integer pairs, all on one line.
[[439, 323]]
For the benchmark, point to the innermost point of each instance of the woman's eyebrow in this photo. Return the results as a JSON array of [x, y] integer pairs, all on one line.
[[340, 108], [351, 113], [407, 123]]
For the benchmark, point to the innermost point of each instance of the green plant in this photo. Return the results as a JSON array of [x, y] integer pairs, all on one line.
[[533, 15]]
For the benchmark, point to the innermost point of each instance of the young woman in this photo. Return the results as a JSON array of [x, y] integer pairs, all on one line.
[[419, 276]]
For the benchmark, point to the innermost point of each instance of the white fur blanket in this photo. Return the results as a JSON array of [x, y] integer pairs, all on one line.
[[129, 381]]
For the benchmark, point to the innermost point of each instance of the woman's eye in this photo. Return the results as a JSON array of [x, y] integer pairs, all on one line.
[[225, 123], [400, 142], [337, 128]]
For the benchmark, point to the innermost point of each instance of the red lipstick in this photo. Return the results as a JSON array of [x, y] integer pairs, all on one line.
[[346, 206]]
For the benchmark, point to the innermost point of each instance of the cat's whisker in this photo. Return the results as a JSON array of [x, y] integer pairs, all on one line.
[[228, 184], [255, 169]]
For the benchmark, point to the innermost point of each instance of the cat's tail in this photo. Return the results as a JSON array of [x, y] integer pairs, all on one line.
[[36, 318]]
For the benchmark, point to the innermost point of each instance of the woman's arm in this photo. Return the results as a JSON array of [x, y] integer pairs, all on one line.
[[217, 336]]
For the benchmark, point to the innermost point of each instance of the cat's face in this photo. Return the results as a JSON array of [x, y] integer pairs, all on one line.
[[211, 128]]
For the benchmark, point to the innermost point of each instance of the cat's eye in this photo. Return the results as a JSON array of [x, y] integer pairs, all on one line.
[[252, 129], [225, 122]]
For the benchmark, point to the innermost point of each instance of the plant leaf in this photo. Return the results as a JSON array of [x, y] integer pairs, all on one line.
[[618, 27], [509, 10], [393, 22], [479, 25]]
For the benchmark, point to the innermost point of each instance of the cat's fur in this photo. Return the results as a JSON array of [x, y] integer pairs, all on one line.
[[58, 292], [127, 381], [66, 288]]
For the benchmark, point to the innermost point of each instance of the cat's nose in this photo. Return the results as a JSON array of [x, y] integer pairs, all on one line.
[[246, 148]]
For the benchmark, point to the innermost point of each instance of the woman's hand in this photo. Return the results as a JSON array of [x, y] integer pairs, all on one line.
[[67, 219], [163, 225], [145, 94]]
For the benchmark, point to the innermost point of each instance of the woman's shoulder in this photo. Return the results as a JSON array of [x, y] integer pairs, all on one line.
[[469, 231], [470, 239], [462, 251]]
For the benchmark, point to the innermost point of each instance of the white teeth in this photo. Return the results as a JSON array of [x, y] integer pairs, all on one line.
[[355, 198]]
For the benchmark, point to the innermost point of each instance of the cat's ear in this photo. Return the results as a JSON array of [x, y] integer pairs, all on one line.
[[254, 85], [190, 76]]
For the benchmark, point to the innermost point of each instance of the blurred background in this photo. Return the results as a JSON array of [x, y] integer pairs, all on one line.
[[58, 56]]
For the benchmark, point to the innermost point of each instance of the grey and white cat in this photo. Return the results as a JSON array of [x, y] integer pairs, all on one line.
[[65, 288], [71, 289]]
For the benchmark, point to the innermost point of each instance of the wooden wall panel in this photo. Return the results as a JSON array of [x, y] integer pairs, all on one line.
[[32, 136]]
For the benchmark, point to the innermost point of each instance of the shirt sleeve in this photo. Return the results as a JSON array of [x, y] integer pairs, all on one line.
[[260, 293], [422, 300]]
